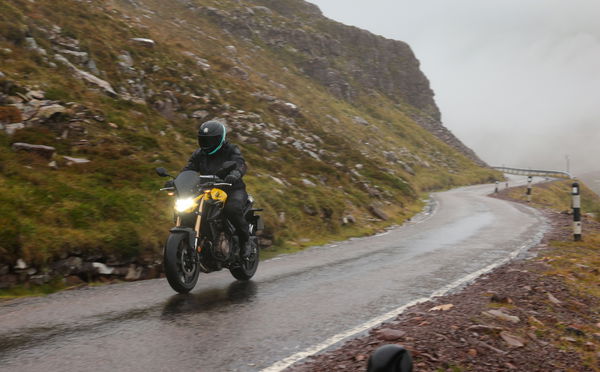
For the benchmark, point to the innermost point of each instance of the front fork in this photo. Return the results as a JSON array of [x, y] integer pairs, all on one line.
[[198, 223], [197, 244]]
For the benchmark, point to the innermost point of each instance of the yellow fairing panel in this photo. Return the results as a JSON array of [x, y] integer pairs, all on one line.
[[218, 194]]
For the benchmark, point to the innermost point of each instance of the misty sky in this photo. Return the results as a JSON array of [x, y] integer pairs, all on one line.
[[516, 80]]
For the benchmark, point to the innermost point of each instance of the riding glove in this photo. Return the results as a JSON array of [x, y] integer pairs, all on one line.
[[233, 176]]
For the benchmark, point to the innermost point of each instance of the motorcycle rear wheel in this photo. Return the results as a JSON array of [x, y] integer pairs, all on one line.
[[246, 269], [180, 262]]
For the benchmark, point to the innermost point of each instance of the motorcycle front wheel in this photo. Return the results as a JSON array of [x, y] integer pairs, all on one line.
[[245, 269], [181, 264]]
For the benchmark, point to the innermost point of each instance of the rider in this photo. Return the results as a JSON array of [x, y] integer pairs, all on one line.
[[208, 159]]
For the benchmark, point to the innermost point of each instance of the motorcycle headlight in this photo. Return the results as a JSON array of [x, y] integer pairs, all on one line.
[[182, 205]]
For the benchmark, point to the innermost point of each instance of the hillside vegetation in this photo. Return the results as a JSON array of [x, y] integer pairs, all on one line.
[[556, 195], [337, 144]]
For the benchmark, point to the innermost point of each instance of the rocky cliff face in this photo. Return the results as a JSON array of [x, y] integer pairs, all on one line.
[[349, 61]]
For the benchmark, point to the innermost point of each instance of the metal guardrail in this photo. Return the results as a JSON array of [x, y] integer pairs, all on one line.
[[534, 172]]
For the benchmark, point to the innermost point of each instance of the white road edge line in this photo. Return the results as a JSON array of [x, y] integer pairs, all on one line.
[[287, 362]]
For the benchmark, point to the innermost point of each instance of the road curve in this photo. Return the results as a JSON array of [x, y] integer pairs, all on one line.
[[294, 302]]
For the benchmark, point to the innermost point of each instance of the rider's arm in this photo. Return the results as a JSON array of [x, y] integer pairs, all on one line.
[[193, 162], [236, 155]]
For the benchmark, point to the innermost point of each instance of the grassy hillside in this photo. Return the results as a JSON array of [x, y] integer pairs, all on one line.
[[557, 195], [313, 161]]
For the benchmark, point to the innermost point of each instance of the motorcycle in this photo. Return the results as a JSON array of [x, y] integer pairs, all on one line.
[[203, 240]]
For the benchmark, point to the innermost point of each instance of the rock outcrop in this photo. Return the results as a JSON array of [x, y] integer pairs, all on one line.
[[349, 61]]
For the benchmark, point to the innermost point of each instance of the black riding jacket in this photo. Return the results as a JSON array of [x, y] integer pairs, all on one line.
[[206, 164]]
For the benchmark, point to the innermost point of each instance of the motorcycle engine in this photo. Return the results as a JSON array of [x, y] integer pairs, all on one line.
[[223, 246]]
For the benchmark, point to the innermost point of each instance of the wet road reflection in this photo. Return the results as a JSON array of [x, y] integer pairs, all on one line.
[[210, 299]]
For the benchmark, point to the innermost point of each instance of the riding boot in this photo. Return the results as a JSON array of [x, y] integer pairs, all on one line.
[[245, 246]]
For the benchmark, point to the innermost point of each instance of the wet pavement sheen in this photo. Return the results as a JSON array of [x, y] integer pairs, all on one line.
[[294, 301]]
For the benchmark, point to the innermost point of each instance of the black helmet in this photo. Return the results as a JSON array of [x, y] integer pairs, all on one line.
[[211, 136]]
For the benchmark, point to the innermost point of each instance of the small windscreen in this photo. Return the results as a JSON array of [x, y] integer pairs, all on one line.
[[187, 183]]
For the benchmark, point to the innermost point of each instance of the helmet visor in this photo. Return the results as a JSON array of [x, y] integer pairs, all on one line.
[[209, 143]]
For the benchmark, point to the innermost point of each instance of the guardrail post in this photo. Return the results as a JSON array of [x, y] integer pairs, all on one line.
[[576, 211], [529, 180]]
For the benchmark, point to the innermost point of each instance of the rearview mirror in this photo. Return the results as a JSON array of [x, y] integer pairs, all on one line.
[[162, 172]]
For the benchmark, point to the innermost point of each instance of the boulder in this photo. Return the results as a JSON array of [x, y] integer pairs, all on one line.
[[512, 340], [73, 280], [378, 213], [79, 57], [102, 269], [71, 160], [32, 45], [68, 266], [262, 9], [553, 299], [10, 129], [361, 121], [390, 156], [309, 210], [144, 42], [125, 60], [200, 114], [40, 279], [388, 334], [44, 151], [86, 76], [309, 183], [498, 314], [285, 108], [20, 265], [47, 112], [134, 272], [36, 94], [239, 73], [348, 219], [271, 145]]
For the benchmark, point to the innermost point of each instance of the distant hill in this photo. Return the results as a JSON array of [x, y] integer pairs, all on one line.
[[339, 126]]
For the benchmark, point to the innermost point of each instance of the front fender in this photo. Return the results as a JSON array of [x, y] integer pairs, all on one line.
[[191, 234]]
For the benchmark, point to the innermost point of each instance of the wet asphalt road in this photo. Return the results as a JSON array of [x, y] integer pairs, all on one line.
[[294, 301]]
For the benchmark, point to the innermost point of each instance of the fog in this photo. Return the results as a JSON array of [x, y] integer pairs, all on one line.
[[517, 81]]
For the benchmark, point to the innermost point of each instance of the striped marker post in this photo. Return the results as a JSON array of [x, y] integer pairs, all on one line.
[[576, 212], [529, 180]]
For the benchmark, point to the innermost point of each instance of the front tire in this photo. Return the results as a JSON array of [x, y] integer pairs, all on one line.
[[181, 263], [246, 268]]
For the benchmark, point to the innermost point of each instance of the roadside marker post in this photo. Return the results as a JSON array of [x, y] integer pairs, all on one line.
[[529, 180], [576, 211], [496, 190]]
